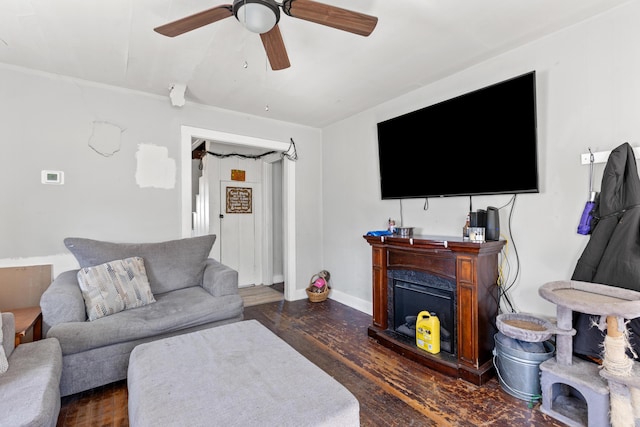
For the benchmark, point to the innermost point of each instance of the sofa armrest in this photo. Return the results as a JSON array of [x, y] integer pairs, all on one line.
[[219, 279], [62, 301], [30, 388]]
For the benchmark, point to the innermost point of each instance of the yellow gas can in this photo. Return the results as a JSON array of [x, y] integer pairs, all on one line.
[[428, 332]]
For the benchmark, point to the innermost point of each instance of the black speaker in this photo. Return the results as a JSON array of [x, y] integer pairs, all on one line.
[[493, 224], [473, 219], [478, 218], [482, 218]]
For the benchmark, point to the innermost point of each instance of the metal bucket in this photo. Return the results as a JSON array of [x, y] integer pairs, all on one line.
[[404, 231], [519, 371]]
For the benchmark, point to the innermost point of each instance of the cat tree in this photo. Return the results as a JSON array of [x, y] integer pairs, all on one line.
[[610, 396]]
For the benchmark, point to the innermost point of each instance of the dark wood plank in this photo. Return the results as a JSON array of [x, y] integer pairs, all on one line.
[[392, 390]]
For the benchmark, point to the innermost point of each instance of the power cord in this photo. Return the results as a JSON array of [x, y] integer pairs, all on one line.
[[502, 278]]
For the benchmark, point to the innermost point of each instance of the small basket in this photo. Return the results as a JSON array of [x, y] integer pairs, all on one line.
[[324, 291]]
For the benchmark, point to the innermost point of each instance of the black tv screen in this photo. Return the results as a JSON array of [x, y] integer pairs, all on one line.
[[482, 142]]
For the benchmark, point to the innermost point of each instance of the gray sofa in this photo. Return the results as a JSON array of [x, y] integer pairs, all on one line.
[[191, 292], [29, 389]]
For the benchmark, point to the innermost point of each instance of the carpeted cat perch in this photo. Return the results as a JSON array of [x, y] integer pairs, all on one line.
[[622, 374]]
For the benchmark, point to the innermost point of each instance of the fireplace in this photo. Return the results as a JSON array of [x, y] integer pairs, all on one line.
[[459, 276], [413, 291]]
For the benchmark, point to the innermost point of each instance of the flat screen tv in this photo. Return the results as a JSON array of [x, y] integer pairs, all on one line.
[[483, 142]]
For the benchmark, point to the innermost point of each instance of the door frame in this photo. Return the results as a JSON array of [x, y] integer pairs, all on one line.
[[188, 133]]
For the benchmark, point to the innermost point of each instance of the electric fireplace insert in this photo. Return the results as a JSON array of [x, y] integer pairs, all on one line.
[[415, 291]]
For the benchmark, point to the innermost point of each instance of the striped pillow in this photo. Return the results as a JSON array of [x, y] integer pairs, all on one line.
[[114, 286]]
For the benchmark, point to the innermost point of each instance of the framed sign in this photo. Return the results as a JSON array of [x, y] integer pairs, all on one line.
[[237, 175], [239, 200]]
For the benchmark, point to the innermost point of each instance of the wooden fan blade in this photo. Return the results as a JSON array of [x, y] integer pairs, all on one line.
[[274, 46], [331, 16], [194, 21]]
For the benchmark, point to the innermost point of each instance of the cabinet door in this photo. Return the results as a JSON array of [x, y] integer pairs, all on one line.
[[379, 271], [379, 301]]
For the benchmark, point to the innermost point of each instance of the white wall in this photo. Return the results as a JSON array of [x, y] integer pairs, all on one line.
[[588, 96], [127, 187]]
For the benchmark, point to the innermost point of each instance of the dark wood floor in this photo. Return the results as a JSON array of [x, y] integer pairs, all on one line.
[[392, 391]]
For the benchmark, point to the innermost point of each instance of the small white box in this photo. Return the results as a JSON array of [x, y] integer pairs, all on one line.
[[476, 234]]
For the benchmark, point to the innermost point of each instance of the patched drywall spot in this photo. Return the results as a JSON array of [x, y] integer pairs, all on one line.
[[176, 94], [105, 138], [154, 168]]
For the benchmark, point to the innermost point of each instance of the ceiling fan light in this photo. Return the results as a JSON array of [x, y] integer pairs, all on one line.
[[257, 17]]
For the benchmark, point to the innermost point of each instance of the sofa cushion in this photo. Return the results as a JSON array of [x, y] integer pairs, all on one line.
[[114, 286], [173, 311], [170, 265]]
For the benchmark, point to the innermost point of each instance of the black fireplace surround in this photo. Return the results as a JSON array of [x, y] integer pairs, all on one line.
[[410, 292]]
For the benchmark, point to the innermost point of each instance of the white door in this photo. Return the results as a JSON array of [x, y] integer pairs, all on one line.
[[241, 229]]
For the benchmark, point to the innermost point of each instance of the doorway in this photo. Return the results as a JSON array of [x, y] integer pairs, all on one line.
[[189, 134]]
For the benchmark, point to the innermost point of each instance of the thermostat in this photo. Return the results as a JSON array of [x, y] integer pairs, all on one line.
[[52, 177]]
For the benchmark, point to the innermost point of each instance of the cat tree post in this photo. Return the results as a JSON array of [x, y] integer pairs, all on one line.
[[617, 369], [564, 342]]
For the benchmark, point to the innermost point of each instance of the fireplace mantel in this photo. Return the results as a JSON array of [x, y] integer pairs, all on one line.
[[474, 267]]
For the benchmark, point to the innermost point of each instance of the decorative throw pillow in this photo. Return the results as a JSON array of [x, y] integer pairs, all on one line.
[[114, 286], [4, 364], [170, 265]]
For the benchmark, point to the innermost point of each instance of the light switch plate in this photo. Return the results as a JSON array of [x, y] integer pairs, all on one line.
[[52, 177]]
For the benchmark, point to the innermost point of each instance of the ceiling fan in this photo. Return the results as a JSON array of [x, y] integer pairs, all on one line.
[[262, 16]]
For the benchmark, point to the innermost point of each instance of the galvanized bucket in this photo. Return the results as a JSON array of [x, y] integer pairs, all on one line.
[[519, 370]]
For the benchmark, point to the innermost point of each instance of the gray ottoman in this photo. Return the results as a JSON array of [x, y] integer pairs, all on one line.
[[240, 374]]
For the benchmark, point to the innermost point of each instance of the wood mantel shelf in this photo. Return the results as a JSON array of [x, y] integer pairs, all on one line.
[[474, 267]]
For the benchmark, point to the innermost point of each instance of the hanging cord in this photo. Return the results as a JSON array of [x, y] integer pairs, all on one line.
[[513, 244], [503, 286], [504, 264], [290, 154], [244, 156]]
